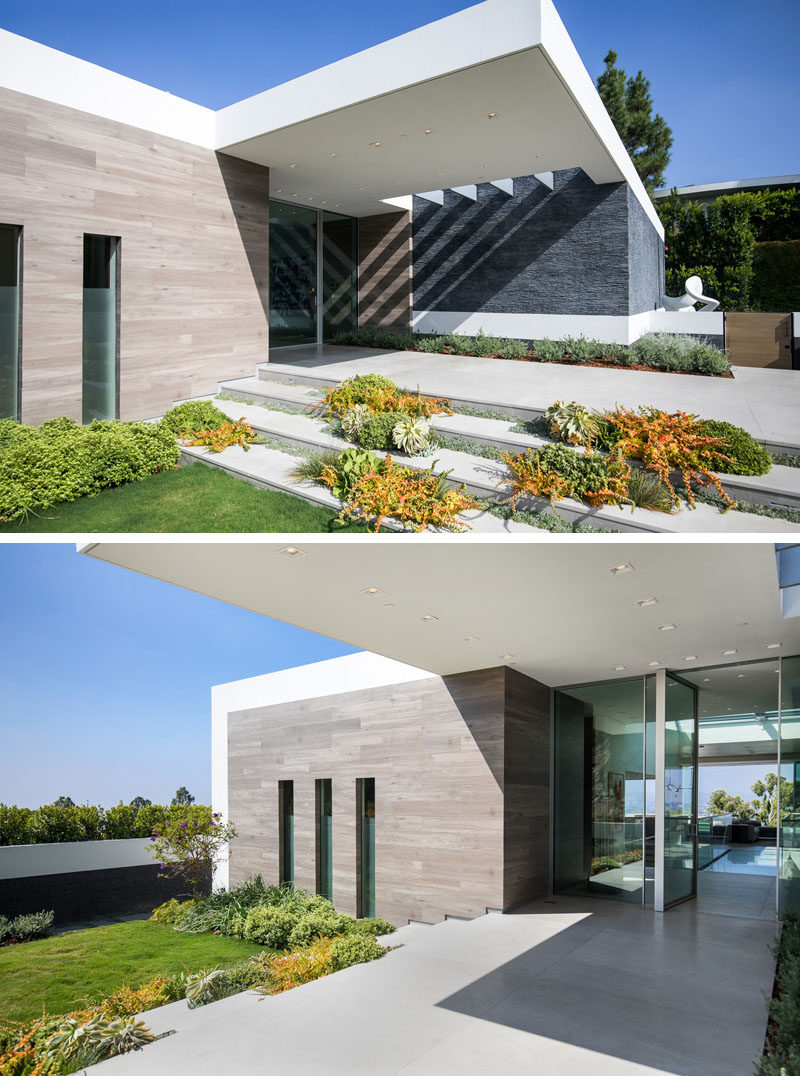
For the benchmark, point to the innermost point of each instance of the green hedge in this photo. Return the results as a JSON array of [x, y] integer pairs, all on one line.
[[86, 822], [776, 276], [62, 461]]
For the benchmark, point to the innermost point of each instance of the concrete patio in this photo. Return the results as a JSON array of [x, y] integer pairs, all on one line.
[[561, 987], [764, 402]]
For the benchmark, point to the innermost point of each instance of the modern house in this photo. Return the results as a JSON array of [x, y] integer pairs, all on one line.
[[529, 721], [707, 192], [463, 176]]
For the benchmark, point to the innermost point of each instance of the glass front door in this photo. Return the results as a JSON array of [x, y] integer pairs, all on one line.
[[680, 791], [292, 275], [313, 263], [788, 798]]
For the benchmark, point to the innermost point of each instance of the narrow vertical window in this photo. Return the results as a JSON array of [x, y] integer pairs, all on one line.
[[366, 848], [286, 831], [10, 263], [324, 799], [100, 326]]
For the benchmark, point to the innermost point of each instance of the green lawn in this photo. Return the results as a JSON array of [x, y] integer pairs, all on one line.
[[188, 499], [68, 971]]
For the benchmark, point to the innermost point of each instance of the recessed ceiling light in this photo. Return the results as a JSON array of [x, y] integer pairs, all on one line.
[[690, 657], [428, 130], [666, 627], [371, 592], [291, 551], [729, 709], [470, 639], [295, 195], [772, 646], [377, 145], [279, 190], [740, 676], [621, 569], [618, 668], [491, 115], [645, 602], [293, 166], [539, 156], [427, 618], [389, 605], [776, 671], [507, 657], [706, 679], [441, 173], [652, 664], [331, 154], [729, 653]]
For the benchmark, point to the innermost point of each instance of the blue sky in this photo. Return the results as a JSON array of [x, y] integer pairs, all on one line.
[[105, 677], [722, 76]]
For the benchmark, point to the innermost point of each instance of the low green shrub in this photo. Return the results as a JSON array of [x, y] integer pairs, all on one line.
[[375, 927], [604, 863], [513, 349], [28, 927], [319, 924], [458, 344], [586, 473], [549, 350], [781, 1055], [354, 949], [746, 455], [431, 345], [269, 926], [646, 490], [172, 911], [483, 345], [62, 461], [193, 416], [678, 353], [377, 432], [579, 349]]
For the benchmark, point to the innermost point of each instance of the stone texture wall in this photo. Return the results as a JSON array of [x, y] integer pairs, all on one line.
[[193, 228], [81, 895], [461, 767], [581, 248]]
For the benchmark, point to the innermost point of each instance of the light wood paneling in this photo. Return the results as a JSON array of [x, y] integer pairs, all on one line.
[[384, 271], [435, 749], [759, 340], [194, 255]]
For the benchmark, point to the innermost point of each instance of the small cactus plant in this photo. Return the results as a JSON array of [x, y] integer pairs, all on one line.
[[572, 423], [412, 435]]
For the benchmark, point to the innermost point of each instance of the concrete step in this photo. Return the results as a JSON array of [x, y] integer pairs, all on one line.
[[779, 488], [486, 478]]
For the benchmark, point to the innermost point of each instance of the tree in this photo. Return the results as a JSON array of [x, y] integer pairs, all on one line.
[[138, 802], [646, 137], [63, 801], [187, 842], [764, 808], [182, 797], [722, 802]]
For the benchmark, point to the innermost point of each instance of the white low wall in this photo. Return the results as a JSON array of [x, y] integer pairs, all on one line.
[[32, 860], [611, 329]]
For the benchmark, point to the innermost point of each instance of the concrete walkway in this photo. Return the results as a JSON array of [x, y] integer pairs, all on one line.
[[764, 402], [562, 987]]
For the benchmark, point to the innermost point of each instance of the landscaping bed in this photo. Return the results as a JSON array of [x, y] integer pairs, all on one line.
[[781, 1055], [660, 352]]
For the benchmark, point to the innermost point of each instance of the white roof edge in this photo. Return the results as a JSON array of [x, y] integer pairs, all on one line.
[[472, 36], [564, 57], [727, 185], [352, 672], [40, 71]]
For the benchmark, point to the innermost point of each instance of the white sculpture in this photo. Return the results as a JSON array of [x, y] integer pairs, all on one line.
[[693, 294]]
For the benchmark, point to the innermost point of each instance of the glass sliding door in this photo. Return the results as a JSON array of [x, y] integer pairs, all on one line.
[[366, 848], [286, 831], [339, 273], [789, 788], [292, 275], [324, 797], [10, 248], [680, 791], [100, 326], [600, 789]]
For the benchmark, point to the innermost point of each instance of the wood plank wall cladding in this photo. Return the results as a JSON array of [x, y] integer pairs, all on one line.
[[761, 340], [526, 833], [194, 231], [435, 749], [384, 272]]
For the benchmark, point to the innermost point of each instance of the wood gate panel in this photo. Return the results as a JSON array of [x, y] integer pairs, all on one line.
[[759, 340]]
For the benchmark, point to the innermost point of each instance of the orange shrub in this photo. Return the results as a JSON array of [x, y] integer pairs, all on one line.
[[301, 966], [128, 1002], [529, 479], [230, 433]]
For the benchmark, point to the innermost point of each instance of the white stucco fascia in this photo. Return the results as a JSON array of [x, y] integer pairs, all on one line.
[[39, 71], [353, 672]]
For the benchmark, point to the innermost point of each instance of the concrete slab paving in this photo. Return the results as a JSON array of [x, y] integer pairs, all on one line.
[[764, 402], [561, 987]]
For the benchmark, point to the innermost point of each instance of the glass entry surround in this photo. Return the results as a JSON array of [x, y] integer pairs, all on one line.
[[10, 248], [312, 274], [679, 793]]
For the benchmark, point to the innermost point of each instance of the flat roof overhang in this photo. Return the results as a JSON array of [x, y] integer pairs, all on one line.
[[554, 610], [353, 134]]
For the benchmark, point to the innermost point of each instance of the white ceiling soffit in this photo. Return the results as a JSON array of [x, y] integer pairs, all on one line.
[[554, 610], [355, 131]]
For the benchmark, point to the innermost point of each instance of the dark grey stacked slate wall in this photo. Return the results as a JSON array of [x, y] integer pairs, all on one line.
[[574, 250], [81, 895]]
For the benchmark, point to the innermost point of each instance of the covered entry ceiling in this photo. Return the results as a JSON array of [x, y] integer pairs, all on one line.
[[492, 92]]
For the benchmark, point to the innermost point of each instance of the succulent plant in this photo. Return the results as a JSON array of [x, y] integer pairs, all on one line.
[[572, 423], [107, 1037], [351, 465], [354, 419], [412, 435], [205, 986]]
